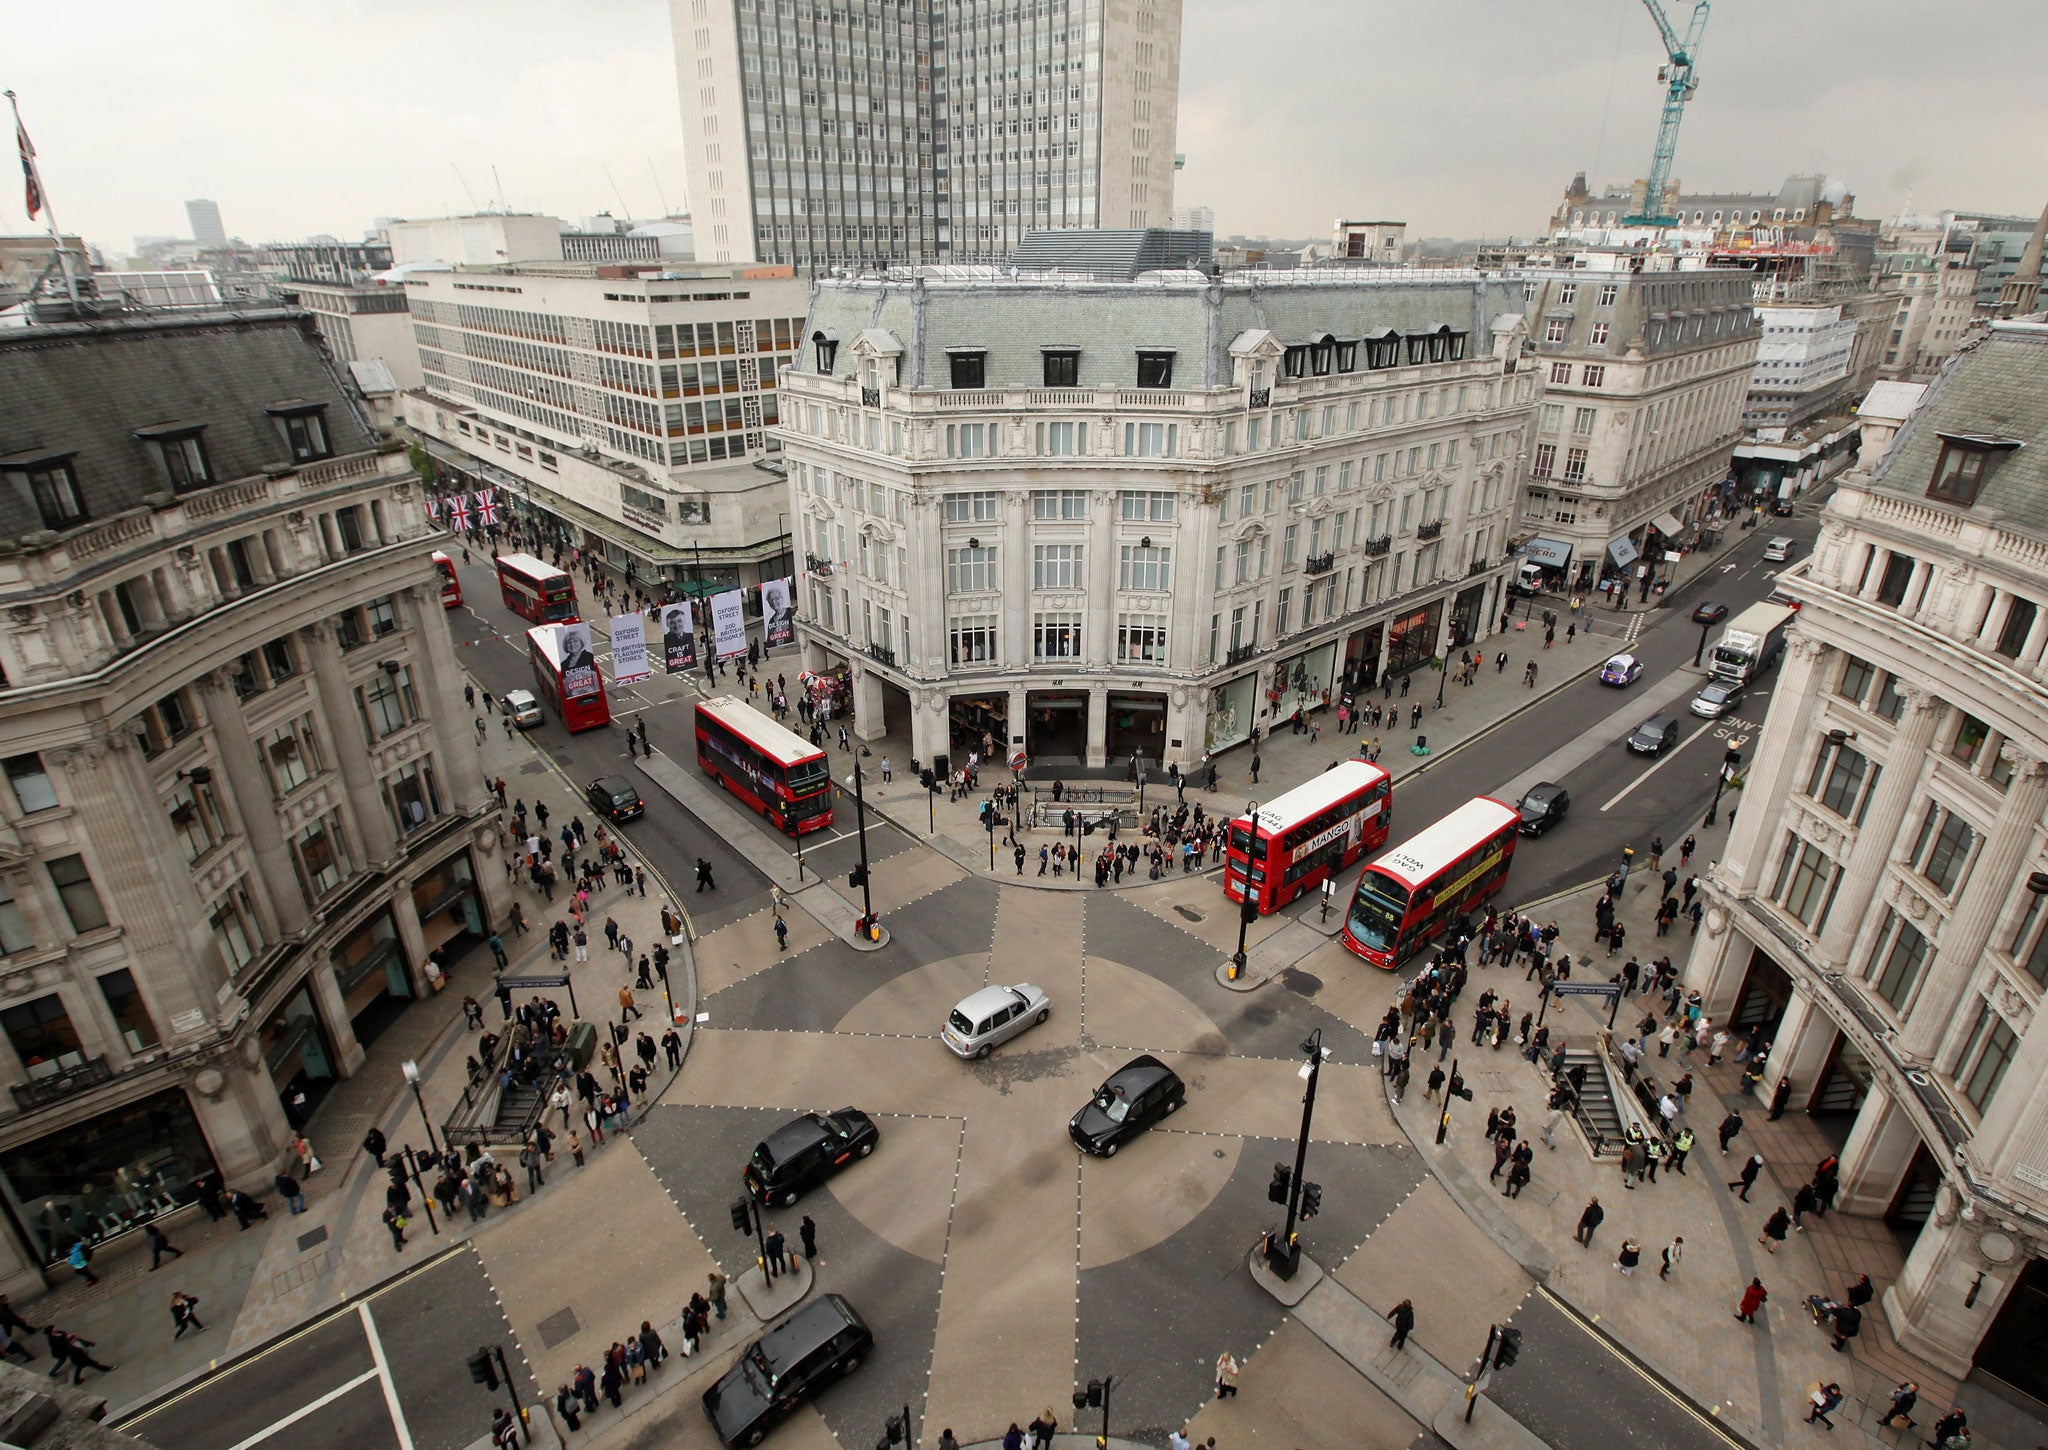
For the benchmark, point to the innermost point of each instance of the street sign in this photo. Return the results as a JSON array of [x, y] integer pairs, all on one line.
[[524, 982], [1585, 989]]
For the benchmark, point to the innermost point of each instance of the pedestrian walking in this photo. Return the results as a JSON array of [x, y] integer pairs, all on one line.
[[1848, 1324], [627, 1006], [1951, 1428], [375, 1146], [1043, 1429], [1673, 1252], [1752, 1300], [184, 1315], [288, 1189], [1631, 1254], [715, 1292], [704, 881], [569, 1407], [778, 1258], [808, 1233], [1775, 1228], [782, 927], [1402, 1317], [1823, 1398], [1730, 1126], [80, 1259], [78, 1353], [1226, 1376], [1747, 1178], [1904, 1396], [159, 1245], [1589, 1220], [1780, 1095], [395, 1221]]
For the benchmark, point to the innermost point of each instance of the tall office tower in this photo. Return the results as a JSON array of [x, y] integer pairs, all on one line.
[[204, 217], [874, 131]]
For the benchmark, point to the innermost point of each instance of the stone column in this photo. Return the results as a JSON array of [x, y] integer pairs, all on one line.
[[440, 696], [1880, 1147], [1883, 824], [345, 735], [1771, 773], [273, 888], [1925, 1307], [332, 1011], [1098, 726], [1013, 563], [1020, 704], [1793, 1047], [867, 704], [1099, 581], [928, 733], [1187, 726], [411, 936], [1960, 948]]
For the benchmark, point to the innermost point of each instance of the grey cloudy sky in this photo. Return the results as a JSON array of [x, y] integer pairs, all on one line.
[[1462, 117]]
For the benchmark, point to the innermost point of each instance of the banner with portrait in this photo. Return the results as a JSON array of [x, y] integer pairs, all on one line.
[[778, 612], [579, 664], [729, 623], [678, 638], [629, 648]]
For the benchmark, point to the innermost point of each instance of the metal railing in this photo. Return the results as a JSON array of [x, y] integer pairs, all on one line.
[[1377, 548], [1319, 563], [1237, 654], [882, 654], [1434, 529], [45, 1090]]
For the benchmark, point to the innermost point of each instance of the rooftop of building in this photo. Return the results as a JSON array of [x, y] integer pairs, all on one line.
[[1991, 395], [1891, 401], [88, 390]]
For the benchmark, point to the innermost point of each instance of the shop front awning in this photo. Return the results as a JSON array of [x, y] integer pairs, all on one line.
[[1550, 553], [1623, 551], [1667, 525]]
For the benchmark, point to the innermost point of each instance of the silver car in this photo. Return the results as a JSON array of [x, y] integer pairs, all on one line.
[[992, 1017], [1716, 699], [523, 708]]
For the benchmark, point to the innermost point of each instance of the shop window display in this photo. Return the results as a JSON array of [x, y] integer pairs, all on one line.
[[96, 1180]]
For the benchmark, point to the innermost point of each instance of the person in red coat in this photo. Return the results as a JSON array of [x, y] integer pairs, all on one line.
[[1752, 1300]]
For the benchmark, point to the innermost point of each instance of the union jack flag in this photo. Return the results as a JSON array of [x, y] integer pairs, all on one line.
[[458, 513], [486, 507], [433, 505]]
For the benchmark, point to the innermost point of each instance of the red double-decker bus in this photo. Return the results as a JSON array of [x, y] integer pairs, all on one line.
[[776, 771], [1298, 840], [536, 590], [565, 675], [1430, 881], [451, 587]]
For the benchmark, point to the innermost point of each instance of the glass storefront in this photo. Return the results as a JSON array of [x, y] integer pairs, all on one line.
[[369, 967], [1232, 712], [1137, 726], [101, 1178], [451, 918], [296, 1053], [1412, 639], [1305, 678], [1467, 616], [979, 723], [1362, 658], [1058, 723]]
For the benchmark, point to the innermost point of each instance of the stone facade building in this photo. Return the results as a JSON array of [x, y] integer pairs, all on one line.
[[1645, 374], [1098, 520], [243, 806], [1881, 910]]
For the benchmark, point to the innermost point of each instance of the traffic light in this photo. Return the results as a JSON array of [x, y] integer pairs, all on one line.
[[1509, 1348], [1457, 1088], [741, 1219], [1311, 1200], [894, 1430], [1248, 909], [1276, 1191], [857, 877], [1095, 1394], [927, 779], [482, 1370]]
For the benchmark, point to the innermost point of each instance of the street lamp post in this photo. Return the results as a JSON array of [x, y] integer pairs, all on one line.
[[1443, 672], [661, 970], [412, 1077], [1727, 773], [412, 1162]]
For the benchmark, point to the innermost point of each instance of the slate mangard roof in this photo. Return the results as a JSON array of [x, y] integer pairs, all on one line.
[[1996, 387]]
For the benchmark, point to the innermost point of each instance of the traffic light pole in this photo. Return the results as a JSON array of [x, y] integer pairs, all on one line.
[[1443, 1122], [489, 1375], [1485, 1361], [426, 1199], [1286, 1255], [860, 816]]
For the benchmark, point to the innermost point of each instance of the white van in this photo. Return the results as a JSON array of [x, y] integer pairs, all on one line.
[[1779, 548]]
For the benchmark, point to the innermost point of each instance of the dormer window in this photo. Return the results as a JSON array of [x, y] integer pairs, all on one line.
[[305, 428], [52, 484], [969, 367], [181, 449], [1155, 369], [825, 352], [1966, 461], [1347, 357], [1062, 367]]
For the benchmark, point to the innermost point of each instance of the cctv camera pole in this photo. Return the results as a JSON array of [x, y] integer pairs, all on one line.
[[1286, 1255]]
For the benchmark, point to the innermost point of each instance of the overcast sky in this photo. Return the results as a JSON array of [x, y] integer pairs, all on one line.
[[1461, 117]]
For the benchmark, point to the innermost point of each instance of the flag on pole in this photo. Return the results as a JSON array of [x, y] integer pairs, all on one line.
[[33, 184], [458, 514], [487, 508], [433, 505]]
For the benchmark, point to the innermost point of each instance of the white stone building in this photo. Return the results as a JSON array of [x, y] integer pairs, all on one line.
[[868, 132], [623, 408], [243, 803], [1881, 909], [1098, 520], [1645, 373]]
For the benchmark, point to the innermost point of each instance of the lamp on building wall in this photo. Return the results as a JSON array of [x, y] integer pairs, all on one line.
[[198, 775], [1839, 738], [2037, 882], [391, 667]]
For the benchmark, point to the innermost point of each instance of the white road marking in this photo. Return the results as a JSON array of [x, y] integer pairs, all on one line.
[[304, 1410], [384, 1374], [1672, 755]]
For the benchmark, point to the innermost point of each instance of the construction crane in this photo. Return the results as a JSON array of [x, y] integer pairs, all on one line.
[[1679, 85]]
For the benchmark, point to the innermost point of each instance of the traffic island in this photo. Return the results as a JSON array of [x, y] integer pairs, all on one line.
[[771, 1298]]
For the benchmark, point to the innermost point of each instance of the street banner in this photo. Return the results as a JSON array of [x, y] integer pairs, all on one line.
[[579, 665], [729, 623], [778, 611], [629, 648], [678, 638]]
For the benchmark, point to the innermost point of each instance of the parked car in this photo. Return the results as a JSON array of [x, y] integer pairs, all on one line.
[[615, 798], [1543, 806], [1709, 612], [1780, 548], [1716, 699], [804, 1152], [1134, 1097], [1621, 670], [523, 708], [992, 1016], [1654, 735], [822, 1342]]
